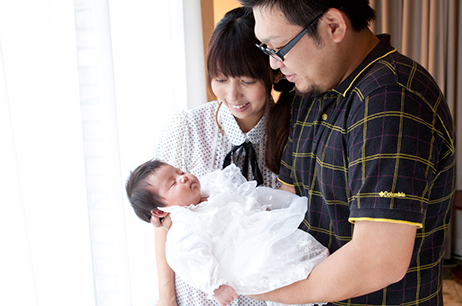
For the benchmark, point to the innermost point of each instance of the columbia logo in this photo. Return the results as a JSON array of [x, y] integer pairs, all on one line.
[[387, 194]]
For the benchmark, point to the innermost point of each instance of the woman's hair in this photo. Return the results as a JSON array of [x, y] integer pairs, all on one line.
[[303, 12], [277, 126], [232, 50], [142, 198]]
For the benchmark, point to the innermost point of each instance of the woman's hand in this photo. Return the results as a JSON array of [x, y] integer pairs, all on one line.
[[225, 295], [166, 222], [156, 221]]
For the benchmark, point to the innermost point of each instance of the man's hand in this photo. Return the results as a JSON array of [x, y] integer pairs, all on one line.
[[225, 295]]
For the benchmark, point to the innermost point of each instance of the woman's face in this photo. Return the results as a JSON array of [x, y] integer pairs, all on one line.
[[244, 96]]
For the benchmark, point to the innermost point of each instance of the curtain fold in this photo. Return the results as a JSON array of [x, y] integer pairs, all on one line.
[[16, 265]]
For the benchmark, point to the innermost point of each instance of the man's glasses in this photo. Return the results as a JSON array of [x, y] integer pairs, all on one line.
[[279, 55]]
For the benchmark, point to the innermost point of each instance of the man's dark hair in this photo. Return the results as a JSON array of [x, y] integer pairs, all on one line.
[[142, 198], [303, 12]]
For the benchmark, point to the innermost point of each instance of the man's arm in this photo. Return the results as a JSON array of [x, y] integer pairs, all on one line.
[[288, 188], [378, 255]]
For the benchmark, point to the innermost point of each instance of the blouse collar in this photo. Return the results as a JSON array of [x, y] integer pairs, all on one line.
[[233, 131]]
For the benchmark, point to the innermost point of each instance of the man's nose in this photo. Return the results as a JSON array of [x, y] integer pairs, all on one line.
[[275, 64]]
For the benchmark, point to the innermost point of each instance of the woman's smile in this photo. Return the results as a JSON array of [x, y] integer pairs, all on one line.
[[240, 107]]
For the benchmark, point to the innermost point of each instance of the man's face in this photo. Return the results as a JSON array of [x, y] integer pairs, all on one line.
[[307, 64], [176, 187]]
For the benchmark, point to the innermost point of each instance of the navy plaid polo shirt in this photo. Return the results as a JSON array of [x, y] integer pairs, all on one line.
[[380, 146]]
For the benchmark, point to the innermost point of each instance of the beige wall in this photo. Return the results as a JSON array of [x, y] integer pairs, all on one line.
[[212, 12], [220, 7]]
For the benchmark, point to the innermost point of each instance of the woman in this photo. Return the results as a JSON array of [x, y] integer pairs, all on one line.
[[229, 130]]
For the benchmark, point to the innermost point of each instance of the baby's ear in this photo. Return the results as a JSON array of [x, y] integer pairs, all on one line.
[[159, 213]]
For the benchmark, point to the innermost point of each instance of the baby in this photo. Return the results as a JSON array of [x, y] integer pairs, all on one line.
[[228, 237]]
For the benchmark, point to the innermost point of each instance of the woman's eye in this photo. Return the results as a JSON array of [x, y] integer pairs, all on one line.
[[249, 82], [220, 80]]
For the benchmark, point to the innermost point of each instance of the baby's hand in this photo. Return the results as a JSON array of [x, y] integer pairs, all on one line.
[[225, 295]]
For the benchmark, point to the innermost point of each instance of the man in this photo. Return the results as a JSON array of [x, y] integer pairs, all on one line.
[[372, 147]]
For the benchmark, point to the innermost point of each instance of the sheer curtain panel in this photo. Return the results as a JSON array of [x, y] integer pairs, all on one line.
[[85, 88], [45, 253]]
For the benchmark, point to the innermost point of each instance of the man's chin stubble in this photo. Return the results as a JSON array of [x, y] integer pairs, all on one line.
[[310, 92]]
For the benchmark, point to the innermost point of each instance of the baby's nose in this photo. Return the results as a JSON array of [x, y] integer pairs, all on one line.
[[183, 179]]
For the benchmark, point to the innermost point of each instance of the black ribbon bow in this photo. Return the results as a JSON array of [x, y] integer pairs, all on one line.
[[249, 155]]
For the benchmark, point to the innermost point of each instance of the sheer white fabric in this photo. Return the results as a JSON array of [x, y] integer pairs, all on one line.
[[243, 236]]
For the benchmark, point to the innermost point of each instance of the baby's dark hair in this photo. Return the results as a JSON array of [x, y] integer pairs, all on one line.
[[142, 198]]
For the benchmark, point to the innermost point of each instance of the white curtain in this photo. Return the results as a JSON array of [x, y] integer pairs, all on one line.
[[85, 87]]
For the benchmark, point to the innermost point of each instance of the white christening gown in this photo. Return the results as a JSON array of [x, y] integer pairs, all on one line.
[[244, 236]]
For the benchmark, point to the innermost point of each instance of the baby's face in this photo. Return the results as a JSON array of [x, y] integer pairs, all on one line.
[[176, 187]]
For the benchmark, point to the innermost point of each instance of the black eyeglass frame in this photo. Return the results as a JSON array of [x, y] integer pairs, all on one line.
[[279, 55]]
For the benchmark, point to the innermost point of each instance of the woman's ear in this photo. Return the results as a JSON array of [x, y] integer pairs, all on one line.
[[159, 213]]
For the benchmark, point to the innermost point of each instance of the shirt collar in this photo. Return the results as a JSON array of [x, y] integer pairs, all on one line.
[[380, 51], [234, 132]]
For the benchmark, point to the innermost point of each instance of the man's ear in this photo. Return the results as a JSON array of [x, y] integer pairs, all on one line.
[[337, 23], [159, 213]]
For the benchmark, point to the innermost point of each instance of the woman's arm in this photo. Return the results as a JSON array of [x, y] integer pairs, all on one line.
[[165, 274], [171, 152]]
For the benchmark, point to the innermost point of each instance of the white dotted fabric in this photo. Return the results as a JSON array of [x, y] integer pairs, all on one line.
[[193, 142], [187, 295]]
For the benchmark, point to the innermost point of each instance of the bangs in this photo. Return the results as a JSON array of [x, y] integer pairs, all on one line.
[[232, 50], [236, 60]]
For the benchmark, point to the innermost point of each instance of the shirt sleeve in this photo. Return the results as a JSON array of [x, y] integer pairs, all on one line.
[[393, 157]]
